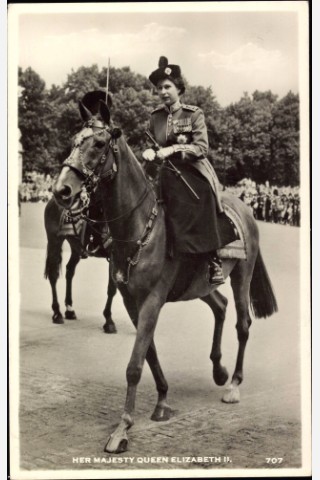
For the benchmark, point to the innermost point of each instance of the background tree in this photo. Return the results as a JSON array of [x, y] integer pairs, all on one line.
[[64, 114], [204, 98], [33, 111], [285, 141], [262, 130], [247, 126]]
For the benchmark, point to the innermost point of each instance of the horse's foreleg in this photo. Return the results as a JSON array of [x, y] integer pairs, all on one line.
[[240, 286], [52, 268], [162, 410], [70, 271], [218, 304], [145, 329], [57, 315], [109, 326]]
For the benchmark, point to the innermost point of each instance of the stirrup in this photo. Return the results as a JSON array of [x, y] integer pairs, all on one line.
[[215, 272]]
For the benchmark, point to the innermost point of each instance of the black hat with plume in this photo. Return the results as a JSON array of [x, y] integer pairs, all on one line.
[[165, 70]]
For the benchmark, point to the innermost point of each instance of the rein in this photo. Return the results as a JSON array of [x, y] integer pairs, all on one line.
[[109, 220], [143, 241], [92, 177]]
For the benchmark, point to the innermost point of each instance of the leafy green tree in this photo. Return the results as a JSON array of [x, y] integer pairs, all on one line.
[[33, 110], [65, 117], [80, 82], [262, 131], [132, 103], [132, 112], [285, 141], [247, 127], [204, 98]]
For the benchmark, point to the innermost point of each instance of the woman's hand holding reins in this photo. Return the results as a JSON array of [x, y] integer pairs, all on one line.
[[165, 152], [160, 154]]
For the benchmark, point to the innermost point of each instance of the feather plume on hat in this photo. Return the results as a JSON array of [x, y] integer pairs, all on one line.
[[163, 62]]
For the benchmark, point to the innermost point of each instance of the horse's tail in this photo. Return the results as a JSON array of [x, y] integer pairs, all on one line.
[[262, 298], [53, 260]]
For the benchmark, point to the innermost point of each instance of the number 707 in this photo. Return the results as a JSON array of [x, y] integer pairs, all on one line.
[[274, 460]]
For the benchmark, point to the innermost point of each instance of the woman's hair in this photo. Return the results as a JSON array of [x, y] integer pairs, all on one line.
[[179, 83]]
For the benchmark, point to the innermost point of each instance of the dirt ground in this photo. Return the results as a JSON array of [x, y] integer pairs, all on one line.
[[72, 376]]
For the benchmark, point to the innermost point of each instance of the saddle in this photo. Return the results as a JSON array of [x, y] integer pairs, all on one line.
[[193, 273], [237, 248]]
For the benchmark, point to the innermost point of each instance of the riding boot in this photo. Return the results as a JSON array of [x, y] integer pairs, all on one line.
[[215, 270]]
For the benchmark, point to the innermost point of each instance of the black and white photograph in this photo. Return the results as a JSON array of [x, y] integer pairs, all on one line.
[[159, 240]]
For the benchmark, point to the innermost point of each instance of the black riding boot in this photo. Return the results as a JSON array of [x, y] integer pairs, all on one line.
[[215, 270]]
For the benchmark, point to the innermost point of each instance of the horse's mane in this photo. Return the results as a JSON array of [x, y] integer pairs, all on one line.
[[132, 157]]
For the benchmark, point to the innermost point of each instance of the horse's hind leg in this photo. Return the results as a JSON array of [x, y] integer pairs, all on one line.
[[218, 304], [109, 326], [52, 269], [70, 271], [240, 282]]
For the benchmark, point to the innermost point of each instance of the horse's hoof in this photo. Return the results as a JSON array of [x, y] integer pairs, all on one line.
[[232, 394], [57, 318], [161, 414], [70, 315], [220, 375], [115, 445], [109, 328]]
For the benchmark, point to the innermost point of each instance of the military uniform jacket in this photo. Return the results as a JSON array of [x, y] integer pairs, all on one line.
[[183, 127]]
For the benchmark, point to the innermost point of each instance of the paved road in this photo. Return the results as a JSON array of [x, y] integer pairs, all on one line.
[[72, 381]]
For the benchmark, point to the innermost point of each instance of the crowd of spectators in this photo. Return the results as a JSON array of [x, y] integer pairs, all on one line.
[[268, 203], [35, 187]]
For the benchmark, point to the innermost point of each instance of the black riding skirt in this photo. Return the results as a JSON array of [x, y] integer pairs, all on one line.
[[193, 226]]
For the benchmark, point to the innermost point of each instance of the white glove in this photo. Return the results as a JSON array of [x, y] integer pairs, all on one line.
[[165, 152], [149, 154]]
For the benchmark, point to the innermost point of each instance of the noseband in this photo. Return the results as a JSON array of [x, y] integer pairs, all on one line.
[[92, 176]]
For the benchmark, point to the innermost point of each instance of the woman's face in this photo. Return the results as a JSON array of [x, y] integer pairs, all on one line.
[[167, 91]]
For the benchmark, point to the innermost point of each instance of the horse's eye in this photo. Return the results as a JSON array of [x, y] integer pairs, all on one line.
[[99, 144]]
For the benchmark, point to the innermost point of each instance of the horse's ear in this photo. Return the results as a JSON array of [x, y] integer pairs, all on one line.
[[104, 112], [84, 112]]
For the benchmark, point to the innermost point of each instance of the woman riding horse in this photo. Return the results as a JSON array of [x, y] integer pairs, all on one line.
[[188, 183], [146, 276]]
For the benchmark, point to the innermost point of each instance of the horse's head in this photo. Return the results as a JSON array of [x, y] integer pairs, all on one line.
[[92, 157]]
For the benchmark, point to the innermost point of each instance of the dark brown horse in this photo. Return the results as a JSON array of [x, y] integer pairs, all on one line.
[[146, 275], [52, 220]]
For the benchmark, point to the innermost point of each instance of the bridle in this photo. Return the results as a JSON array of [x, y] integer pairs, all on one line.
[[93, 176]]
